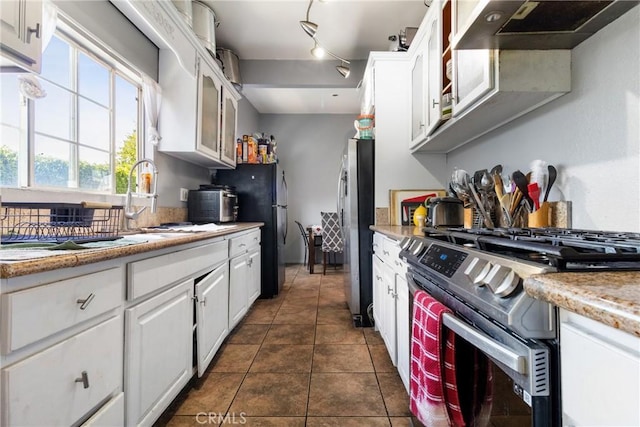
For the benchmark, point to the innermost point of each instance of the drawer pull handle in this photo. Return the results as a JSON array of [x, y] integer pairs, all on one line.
[[250, 262], [85, 302], [385, 252], [390, 290], [242, 245], [203, 301], [397, 263], [84, 379], [378, 277]]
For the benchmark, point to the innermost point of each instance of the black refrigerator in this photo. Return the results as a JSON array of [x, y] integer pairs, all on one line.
[[356, 208], [262, 196]]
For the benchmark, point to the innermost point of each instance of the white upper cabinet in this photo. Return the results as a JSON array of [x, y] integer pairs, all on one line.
[[198, 117], [208, 112], [486, 88], [21, 33]]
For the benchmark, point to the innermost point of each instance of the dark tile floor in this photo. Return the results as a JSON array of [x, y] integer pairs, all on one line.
[[296, 360]]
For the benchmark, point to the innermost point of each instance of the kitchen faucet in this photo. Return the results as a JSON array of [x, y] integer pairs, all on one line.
[[132, 214]]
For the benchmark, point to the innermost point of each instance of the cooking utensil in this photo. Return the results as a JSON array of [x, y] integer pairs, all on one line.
[[534, 193], [488, 222], [553, 174], [522, 182]]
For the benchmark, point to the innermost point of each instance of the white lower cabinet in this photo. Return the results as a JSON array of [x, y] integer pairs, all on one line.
[[403, 333], [238, 274], [212, 314], [600, 372], [391, 302], [254, 276], [62, 384], [244, 275], [159, 351]]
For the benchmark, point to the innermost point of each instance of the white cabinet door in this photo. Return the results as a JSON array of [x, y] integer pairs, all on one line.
[[159, 352], [600, 371], [208, 113], [418, 95], [389, 311], [238, 297], [473, 77], [228, 132], [434, 67], [403, 331], [254, 276], [21, 32], [378, 300], [212, 314], [60, 385]]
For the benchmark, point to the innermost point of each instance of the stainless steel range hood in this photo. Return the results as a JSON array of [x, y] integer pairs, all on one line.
[[525, 24]]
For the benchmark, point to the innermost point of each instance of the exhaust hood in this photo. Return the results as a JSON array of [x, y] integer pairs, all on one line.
[[525, 24]]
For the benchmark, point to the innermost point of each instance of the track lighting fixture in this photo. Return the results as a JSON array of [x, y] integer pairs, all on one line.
[[318, 51], [343, 70]]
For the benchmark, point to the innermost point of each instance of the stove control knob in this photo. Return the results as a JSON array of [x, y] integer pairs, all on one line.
[[477, 270], [418, 248], [405, 242], [502, 280]]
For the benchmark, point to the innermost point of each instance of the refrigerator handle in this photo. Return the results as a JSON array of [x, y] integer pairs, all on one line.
[[286, 216]]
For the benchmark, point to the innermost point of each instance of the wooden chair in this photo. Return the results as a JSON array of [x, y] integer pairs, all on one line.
[[317, 242], [332, 241]]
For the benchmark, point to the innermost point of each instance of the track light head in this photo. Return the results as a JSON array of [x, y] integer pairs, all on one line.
[[309, 27], [344, 70]]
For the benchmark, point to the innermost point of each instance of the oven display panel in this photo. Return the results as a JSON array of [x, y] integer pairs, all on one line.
[[443, 260]]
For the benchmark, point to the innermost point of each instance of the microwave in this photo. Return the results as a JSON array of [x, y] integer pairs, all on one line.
[[212, 203]]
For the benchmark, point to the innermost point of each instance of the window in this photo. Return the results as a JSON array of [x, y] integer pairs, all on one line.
[[83, 134]]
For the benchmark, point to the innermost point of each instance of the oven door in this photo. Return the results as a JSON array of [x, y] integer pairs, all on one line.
[[523, 390]]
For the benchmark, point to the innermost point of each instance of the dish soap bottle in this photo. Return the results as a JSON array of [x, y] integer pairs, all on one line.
[[145, 178]]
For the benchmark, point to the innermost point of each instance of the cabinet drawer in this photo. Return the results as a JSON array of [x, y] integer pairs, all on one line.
[[154, 273], [36, 313], [378, 240], [47, 388], [394, 257], [241, 244]]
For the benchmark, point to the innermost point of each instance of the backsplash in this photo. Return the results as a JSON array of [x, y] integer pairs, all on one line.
[[149, 219]]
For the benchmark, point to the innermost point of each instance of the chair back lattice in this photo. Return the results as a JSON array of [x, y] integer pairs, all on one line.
[[331, 232]]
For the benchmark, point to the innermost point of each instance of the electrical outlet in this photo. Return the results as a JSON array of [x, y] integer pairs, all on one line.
[[184, 194]]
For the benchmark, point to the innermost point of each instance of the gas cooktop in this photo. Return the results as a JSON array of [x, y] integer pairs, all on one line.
[[564, 249]]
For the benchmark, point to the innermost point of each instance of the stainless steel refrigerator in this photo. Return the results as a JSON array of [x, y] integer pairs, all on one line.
[[262, 196], [357, 212]]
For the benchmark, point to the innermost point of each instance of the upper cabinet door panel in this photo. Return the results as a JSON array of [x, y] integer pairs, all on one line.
[[209, 92], [473, 77]]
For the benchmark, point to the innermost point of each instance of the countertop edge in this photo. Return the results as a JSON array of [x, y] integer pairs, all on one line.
[[611, 298], [38, 265], [397, 232]]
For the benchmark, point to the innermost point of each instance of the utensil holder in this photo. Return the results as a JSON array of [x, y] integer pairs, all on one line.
[[541, 217]]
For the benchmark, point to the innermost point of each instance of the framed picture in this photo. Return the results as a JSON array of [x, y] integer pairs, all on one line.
[[397, 196]]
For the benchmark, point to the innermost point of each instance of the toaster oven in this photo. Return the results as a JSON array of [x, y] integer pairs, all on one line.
[[212, 203]]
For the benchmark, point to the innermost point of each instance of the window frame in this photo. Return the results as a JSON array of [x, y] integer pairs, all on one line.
[[82, 41]]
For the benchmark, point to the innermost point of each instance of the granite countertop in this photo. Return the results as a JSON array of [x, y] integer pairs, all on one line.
[[612, 298], [65, 259], [397, 232]]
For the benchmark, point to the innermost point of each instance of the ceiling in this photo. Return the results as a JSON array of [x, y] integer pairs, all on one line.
[[270, 30]]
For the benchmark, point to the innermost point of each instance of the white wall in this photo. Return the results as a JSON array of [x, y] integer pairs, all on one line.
[[592, 135], [309, 149]]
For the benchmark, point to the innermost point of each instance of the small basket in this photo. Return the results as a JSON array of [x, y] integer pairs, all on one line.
[[57, 222]]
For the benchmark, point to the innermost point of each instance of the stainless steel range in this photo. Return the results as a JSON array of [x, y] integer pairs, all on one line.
[[478, 274]]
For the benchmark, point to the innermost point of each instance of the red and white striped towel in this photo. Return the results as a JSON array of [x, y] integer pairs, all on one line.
[[428, 399]]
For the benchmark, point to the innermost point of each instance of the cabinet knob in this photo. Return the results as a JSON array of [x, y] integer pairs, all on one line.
[[84, 303], [84, 379]]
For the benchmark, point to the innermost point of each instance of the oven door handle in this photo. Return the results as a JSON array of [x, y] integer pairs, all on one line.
[[492, 349]]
